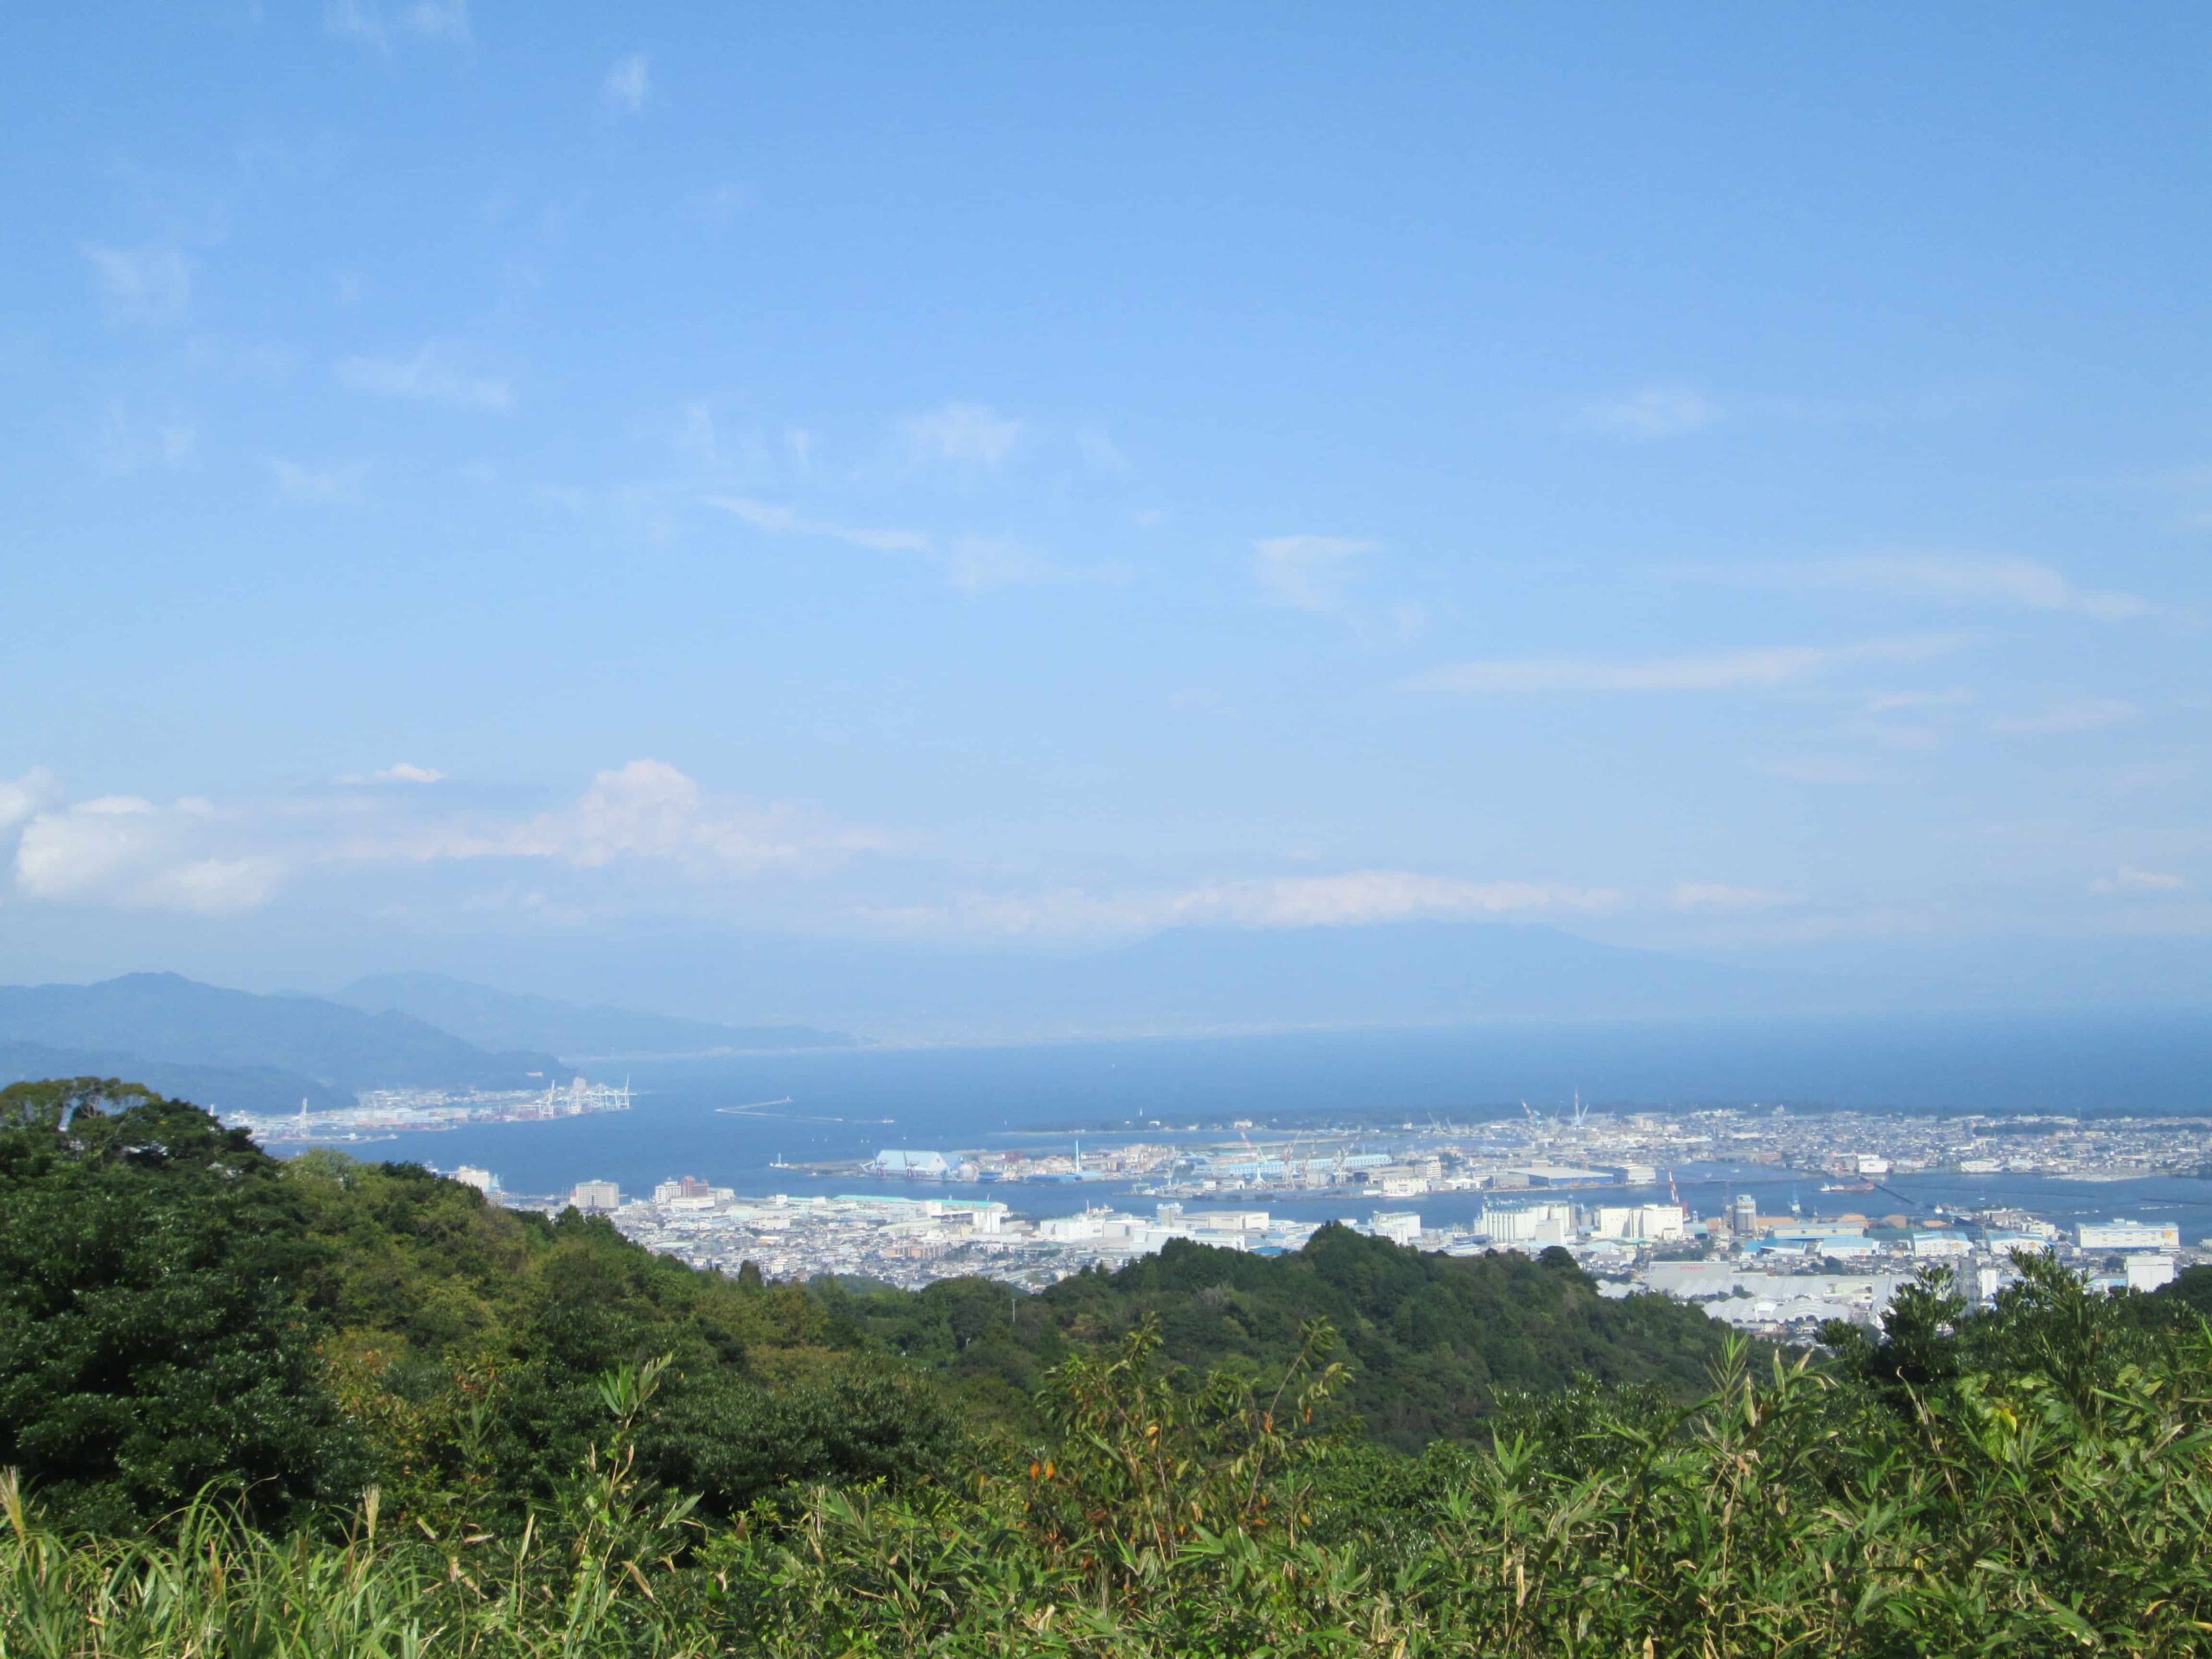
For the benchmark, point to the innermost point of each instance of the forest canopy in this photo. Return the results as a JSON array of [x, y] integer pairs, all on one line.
[[310, 1407]]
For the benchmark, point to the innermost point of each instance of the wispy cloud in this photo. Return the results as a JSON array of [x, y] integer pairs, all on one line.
[[145, 286], [439, 20], [1095, 448], [1758, 668], [785, 521], [364, 22], [627, 85], [430, 376], [1975, 579], [1308, 573], [967, 434], [2082, 714], [1890, 702], [1320, 575], [718, 204], [978, 562], [128, 444], [1660, 411], [339, 485], [354, 19], [1355, 899], [2129, 879], [1959, 579], [1364, 897], [404, 772], [1840, 769], [971, 563], [1720, 896]]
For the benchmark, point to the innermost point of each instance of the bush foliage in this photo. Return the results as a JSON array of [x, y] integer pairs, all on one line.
[[329, 1409]]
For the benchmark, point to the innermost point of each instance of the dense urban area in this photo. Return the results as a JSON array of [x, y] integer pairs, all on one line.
[[1641, 1200]]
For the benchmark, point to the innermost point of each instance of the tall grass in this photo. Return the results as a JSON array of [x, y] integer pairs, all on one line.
[[2045, 1510]]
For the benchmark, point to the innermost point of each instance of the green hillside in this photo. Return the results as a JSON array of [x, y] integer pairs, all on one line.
[[328, 1407], [1430, 1345]]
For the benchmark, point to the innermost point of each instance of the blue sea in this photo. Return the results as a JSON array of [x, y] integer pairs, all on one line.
[[848, 1103]]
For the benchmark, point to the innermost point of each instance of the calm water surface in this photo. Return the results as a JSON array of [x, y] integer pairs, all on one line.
[[1032, 1097]]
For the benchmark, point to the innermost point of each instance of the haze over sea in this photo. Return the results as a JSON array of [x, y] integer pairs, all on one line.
[[1037, 1095]]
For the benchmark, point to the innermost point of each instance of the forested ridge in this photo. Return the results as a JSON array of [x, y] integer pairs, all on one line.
[[325, 1406]]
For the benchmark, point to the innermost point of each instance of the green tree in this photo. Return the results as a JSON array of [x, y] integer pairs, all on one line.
[[149, 1341]]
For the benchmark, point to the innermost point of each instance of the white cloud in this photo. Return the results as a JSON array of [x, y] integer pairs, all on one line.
[[129, 445], [1826, 769], [784, 521], [627, 85], [1100, 453], [353, 19], [148, 285], [2083, 714], [975, 564], [720, 203], [646, 809], [362, 22], [125, 851], [1890, 701], [430, 376], [333, 485], [1966, 579], [971, 435], [439, 20], [1652, 412], [1308, 573], [26, 796], [1367, 896], [972, 563], [1895, 735], [1360, 898], [1719, 895], [2127, 879], [698, 439], [1762, 668]]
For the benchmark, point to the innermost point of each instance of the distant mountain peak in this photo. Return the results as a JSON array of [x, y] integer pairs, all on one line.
[[241, 1047], [491, 1017]]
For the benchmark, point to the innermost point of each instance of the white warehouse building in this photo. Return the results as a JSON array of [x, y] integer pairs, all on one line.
[[1537, 1225], [1399, 1226], [2126, 1235], [1645, 1223]]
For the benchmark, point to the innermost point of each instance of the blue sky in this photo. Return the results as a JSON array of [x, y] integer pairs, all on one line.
[[1734, 479]]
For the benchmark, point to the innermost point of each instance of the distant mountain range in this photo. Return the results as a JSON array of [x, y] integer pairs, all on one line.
[[494, 1018], [1412, 973], [1193, 980], [238, 1050]]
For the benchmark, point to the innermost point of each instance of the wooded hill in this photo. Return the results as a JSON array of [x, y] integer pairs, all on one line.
[[355, 1322], [329, 1407]]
